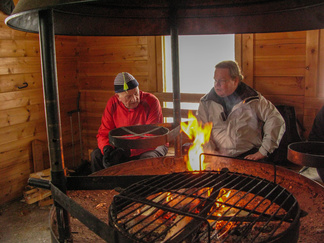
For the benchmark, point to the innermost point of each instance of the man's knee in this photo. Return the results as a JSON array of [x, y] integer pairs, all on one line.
[[96, 160], [158, 152]]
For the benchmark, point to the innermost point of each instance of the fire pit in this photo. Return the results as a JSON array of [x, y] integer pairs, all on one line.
[[217, 206], [308, 194]]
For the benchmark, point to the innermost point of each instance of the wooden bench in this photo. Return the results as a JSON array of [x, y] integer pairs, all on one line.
[[185, 98]]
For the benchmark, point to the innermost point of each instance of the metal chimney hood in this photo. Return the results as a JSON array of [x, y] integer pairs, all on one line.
[[148, 17]]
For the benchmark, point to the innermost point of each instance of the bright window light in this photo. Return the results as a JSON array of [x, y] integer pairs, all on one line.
[[198, 56]]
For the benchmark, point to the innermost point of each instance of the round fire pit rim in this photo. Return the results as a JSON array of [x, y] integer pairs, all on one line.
[[281, 237]]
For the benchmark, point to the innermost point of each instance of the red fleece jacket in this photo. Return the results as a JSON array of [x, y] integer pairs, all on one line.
[[117, 115]]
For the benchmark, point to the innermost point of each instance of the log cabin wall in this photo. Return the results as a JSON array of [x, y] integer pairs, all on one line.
[[22, 110], [22, 116], [287, 68], [101, 59]]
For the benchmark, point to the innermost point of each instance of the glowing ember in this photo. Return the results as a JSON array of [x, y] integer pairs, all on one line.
[[200, 135]]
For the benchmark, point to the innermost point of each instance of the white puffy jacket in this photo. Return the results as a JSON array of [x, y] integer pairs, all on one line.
[[253, 122]]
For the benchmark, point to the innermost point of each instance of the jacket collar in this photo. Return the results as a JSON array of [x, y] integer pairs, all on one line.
[[242, 92]]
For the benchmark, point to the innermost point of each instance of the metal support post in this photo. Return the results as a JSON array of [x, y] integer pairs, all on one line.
[[52, 115], [175, 77]]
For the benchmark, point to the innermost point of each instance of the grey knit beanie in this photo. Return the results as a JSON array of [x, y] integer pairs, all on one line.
[[124, 81]]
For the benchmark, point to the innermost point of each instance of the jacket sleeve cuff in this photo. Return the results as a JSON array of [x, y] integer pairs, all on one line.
[[263, 151]]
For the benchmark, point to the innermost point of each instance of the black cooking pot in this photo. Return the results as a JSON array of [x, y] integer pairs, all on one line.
[[309, 153]]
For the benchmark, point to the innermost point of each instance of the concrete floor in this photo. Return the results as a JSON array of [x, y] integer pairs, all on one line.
[[21, 222]]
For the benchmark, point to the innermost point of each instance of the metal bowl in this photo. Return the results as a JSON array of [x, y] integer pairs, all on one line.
[[309, 153]]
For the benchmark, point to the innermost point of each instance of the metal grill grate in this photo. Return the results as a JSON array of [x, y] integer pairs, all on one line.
[[209, 206]]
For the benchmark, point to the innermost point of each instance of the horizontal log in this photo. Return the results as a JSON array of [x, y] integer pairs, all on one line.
[[118, 53], [23, 142], [91, 132], [92, 123], [280, 66], [67, 79], [93, 109], [296, 101], [21, 115], [15, 172], [19, 65], [184, 97], [11, 82], [19, 48], [68, 104], [106, 82], [66, 65], [5, 32], [16, 132], [21, 98], [96, 95], [281, 35], [97, 83], [168, 112], [136, 68], [87, 113], [280, 85], [12, 190], [279, 47], [15, 156], [66, 46]]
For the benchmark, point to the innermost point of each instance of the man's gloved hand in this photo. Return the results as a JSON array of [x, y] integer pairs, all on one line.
[[118, 156], [106, 156]]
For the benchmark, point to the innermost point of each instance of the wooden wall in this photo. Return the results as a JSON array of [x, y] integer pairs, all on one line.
[[101, 59], [22, 110], [287, 68], [67, 55], [22, 116]]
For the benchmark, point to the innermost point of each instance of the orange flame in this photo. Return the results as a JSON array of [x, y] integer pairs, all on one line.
[[200, 135]]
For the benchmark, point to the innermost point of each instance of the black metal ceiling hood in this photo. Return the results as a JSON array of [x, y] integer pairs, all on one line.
[[148, 17]]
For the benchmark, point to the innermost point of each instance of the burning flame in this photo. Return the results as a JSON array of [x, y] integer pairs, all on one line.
[[200, 135], [223, 196]]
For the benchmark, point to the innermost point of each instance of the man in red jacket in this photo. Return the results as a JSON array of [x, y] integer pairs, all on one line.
[[129, 106]]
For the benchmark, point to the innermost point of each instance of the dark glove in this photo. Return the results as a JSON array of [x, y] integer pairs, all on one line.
[[106, 156], [118, 156]]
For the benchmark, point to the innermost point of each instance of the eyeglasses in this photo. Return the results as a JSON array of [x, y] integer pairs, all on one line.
[[220, 82]]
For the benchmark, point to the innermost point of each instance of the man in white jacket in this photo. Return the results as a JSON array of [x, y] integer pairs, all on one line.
[[245, 124]]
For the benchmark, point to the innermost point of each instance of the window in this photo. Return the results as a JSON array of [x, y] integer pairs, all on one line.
[[198, 56]]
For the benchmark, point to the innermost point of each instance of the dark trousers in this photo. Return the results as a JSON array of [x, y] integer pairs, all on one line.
[[97, 164], [96, 160], [97, 157]]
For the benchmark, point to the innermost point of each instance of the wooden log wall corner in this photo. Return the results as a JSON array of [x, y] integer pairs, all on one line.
[[22, 116], [21, 110], [287, 68]]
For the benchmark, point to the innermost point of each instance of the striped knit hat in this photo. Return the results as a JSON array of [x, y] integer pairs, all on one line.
[[124, 81]]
